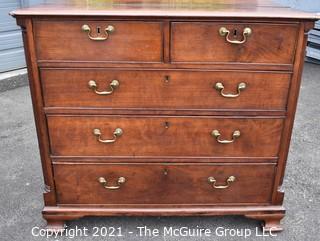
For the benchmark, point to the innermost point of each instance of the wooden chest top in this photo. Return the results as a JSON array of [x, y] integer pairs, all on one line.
[[169, 8]]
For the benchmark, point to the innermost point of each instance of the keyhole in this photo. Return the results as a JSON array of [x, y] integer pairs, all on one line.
[[235, 33], [98, 30], [166, 124], [167, 79]]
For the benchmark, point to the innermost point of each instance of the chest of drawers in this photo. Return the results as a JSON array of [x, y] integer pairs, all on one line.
[[165, 108]]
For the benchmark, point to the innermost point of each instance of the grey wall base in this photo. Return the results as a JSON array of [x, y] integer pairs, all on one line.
[[13, 79]]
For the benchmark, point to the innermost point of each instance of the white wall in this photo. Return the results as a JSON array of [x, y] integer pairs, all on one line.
[[306, 5]]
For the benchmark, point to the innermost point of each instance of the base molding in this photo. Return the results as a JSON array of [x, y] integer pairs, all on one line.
[[270, 215]]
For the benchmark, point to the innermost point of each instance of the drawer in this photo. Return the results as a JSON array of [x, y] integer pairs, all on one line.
[[201, 42], [165, 89], [129, 42], [164, 136], [163, 184]]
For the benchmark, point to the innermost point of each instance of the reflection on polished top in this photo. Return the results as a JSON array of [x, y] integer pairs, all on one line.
[[171, 8]]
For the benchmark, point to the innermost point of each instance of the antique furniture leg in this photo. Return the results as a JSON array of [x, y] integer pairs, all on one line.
[[270, 221]]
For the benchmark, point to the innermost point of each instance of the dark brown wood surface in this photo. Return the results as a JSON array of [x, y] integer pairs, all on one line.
[[164, 136], [268, 43], [278, 193], [270, 215], [166, 128], [38, 111], [167, 8], [164, 184], [165, 89], [130, 41]]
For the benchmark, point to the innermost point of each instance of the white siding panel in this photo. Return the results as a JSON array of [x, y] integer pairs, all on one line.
[[11, 51], [12, 59], [7, 22], [10, 40]]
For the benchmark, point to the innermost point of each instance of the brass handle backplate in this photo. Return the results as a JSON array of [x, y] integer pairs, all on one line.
[[216, 134], [220, 87], [86, 28], [223, 31], [213, 181], [112, 86], [104, 183], [117, 133]]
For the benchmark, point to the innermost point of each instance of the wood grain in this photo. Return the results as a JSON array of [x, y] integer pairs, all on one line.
[[163, 184], [165, 89], [166, 151], [264, 9], [268, 43], [164, 136], [195, 65], [38, 111], [278, 194], [131, 41]]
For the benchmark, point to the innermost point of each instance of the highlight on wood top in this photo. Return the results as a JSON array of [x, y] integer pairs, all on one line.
[[168, 8]]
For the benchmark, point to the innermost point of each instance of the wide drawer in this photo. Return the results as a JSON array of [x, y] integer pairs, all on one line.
[[165, 89], [164, 136], [203, 42], [163, 183], [128, 42]]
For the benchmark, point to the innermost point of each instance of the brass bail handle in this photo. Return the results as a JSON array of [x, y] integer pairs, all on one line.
[[104, 183], [213, 181], [114, 84], [216, 134], [109, 29], [220, 87], [224, 32], [117, 133]]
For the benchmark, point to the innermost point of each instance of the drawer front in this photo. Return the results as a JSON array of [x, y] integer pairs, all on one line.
[[165, 89], [164, 136], [163, 184], [202, 42], [129, 42]]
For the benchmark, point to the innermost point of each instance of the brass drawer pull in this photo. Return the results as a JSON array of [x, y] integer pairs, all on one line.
[[117, 132], [223, 31], [213, 181], [220, 87], [104, 183], [86, 28], [216, 134], [113, 85]]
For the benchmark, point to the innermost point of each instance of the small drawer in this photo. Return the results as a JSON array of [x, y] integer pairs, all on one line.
[[164, 136], [233, 42], [116, 41], [166, 89], [164, 184]]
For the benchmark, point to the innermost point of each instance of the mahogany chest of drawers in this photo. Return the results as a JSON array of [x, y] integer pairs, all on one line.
[[163, 107]]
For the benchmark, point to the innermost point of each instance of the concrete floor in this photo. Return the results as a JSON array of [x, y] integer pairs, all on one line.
[[21, 178]]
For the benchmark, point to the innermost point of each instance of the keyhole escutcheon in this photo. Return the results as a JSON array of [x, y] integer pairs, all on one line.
[[167, 79]]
